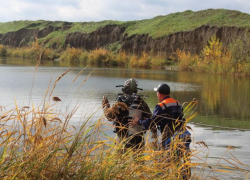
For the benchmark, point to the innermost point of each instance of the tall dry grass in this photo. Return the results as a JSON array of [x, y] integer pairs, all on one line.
[[122, 59], [73, 55], [33, 51], [107, 58], [37, 144], [101, 57], [3, 51]]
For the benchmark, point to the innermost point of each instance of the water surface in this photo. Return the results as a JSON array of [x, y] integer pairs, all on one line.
[[223, 100]]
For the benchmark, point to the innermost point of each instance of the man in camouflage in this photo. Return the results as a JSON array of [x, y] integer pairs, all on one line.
[[118, 113]]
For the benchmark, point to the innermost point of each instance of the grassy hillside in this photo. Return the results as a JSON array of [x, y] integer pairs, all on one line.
[[156, 27], [85, 27], [58, 37], [17, 25], [188, 20]]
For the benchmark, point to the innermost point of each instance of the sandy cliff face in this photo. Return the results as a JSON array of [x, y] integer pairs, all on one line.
[[24, 36], [193, 41], [101, 37], [18, 38]]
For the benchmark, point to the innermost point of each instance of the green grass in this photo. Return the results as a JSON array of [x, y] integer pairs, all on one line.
[[13, 26], [58, 37], [114, 47], [17, 25], [156, 27], [88, 27], [186, 21]]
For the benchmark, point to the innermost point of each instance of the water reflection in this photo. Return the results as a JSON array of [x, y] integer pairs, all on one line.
[[223, 100]]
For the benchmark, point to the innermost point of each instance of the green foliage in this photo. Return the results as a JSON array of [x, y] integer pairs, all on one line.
[[12, 26], [114, 47], [88, 27], [17, 25]]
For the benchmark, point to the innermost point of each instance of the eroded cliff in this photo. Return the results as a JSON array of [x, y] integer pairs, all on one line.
[[192, 41]]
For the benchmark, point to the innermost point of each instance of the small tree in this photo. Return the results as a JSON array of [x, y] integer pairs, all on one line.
[[216, 59], [213, 52]]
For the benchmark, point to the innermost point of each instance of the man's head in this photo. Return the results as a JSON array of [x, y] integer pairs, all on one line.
[[130, 86], [162, 91]]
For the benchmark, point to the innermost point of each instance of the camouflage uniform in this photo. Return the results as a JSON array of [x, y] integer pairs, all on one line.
[[118, 112]]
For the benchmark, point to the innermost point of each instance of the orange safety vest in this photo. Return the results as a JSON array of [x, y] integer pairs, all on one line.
[[173, 112], [168, 102]]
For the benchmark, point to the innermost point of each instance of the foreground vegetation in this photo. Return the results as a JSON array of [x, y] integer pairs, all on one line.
[[40, 143]]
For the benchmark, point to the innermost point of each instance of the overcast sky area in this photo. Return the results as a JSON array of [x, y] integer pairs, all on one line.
[[98, 10]]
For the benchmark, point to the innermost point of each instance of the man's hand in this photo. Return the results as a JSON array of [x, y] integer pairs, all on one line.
[[105, 103], [133, 122]]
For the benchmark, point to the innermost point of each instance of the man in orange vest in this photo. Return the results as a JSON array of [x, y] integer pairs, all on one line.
[[167, 115]]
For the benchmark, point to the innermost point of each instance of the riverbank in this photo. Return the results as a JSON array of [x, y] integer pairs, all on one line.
[[214, 58]]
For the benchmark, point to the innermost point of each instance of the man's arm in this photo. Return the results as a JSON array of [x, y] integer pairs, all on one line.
[[146, 110], [148, 114], [146, 123]]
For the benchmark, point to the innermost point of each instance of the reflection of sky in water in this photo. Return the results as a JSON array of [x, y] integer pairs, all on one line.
[[17, 82], [217, 142]]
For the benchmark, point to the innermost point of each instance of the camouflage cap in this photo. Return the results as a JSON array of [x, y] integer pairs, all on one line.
[[130, 86]]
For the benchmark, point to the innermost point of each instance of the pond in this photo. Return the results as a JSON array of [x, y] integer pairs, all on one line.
[[223, 101]]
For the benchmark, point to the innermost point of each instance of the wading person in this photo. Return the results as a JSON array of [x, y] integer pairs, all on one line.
[[127, 106], [168, 116]]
